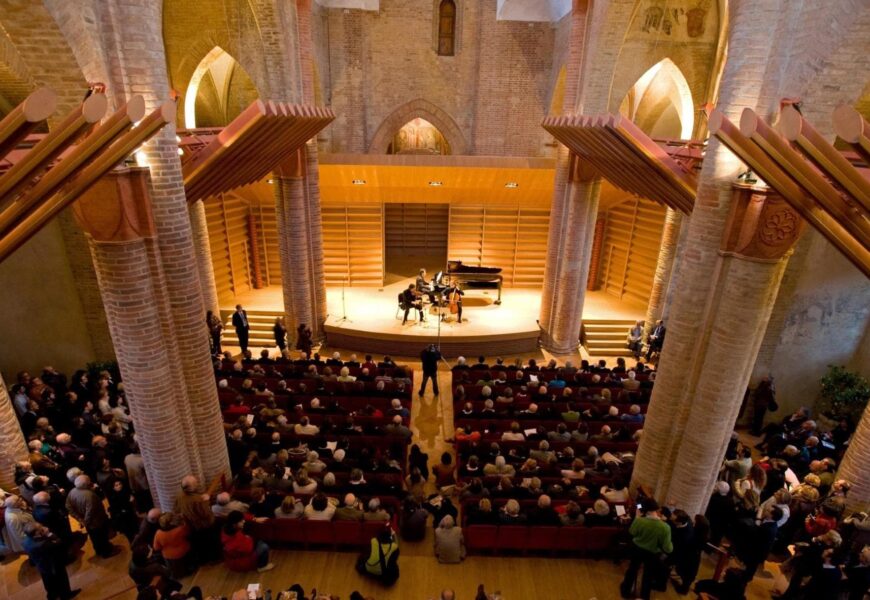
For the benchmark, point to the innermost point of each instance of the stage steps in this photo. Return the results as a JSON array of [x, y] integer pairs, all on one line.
[[260, 335], [606, 337]]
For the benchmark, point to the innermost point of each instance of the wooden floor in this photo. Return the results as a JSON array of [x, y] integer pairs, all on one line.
[[422, 577]]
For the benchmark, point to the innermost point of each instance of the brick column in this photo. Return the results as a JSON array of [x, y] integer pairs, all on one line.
[[292, 206], [115, 213], [664, 268], [688, 427], [131, 34], [722, 301], [569, 248], [315, 233], [854, 465], [205, 267], [592, 283], [12, 445]]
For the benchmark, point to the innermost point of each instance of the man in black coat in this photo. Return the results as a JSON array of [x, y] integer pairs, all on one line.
[[430, 357], [240, 322], [48, 554]]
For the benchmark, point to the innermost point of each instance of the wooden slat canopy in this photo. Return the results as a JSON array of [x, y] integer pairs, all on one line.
[[260, 139], [630, 159], [819, 181], [40, 175]]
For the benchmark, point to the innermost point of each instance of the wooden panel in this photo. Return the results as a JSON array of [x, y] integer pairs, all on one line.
[[513, 238], [416, 229], [353, 244], [220, 254], [632, 237]]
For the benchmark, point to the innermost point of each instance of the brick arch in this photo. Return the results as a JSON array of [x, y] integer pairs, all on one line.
[[425, 110]]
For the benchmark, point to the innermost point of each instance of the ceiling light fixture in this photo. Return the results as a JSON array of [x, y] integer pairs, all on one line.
[[436, 183], [512, 185], [359, 182]]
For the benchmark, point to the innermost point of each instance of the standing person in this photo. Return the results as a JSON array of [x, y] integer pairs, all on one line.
[[430, 357], [240, 322], [656, 339], [213, 322], [193, 506], [635, 338], [303, 339], [49, 555], [86, 506], [650, 537], [280, 332], [765, 400]]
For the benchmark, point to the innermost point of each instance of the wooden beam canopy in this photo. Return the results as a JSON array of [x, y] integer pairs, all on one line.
[[630, 159], [822, 199], [248, 149], [51, 171]]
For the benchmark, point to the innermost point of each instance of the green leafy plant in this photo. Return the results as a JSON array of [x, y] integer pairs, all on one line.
[[844, 393]]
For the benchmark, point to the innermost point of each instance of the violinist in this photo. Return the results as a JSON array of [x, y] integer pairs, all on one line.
[[454, 295]]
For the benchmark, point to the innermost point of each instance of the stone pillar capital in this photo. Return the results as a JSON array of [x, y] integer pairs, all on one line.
[[761, 226], [117, 208]]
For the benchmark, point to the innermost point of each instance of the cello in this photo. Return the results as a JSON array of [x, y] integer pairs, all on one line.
[[454, 300]]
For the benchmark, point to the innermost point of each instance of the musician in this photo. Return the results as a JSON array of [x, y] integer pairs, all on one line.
[[424, 287], [449, 295], [411, 299]]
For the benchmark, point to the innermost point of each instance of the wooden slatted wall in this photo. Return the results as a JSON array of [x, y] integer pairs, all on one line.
[[415, 229], [226, 219], [353, 244], [267, 234], [632, 238], [512, 238]]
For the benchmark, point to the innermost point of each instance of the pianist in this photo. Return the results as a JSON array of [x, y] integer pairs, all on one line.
[[424, 287]]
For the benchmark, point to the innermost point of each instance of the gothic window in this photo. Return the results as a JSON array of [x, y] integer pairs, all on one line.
[[446, 27]]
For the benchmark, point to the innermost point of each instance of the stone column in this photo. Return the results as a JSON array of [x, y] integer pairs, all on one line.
[[854, 466], [684, 441], [205, 267], [292, 210], [678, 254], [116, 215], [315, 233], [131, 33], [592, 283], [664, 268], [12, 445], [563, 297]]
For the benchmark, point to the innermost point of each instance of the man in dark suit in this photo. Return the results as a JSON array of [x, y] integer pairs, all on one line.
[[48, 554], [430, 357], [240, 322], [656, 339]]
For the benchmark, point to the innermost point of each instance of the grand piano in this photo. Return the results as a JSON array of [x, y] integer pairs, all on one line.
[[476, 277]]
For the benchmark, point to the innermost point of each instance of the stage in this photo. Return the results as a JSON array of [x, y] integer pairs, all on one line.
[[368, 320]]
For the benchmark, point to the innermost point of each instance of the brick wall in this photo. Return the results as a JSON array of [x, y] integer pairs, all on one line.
[[496, 88]]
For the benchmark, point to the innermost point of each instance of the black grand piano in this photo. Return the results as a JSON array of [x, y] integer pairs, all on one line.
[[476, 277]]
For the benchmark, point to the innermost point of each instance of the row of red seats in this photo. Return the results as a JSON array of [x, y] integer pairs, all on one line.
[[585, 541], [474, 392], [355, 388], [502, 408], [501, 423], [348, 403], [332, 534], [317, 418]]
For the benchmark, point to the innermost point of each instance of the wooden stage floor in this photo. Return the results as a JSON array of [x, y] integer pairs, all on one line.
[[367, 319]]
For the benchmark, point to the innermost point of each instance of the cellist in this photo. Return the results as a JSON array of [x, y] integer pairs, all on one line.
[[454, 300]]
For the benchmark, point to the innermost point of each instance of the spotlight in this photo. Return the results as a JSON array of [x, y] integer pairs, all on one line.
[[436, 183], [359, 182], [512, 185]]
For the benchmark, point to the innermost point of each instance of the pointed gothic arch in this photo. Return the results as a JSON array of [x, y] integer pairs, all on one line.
[[660, 102], [425, 110]]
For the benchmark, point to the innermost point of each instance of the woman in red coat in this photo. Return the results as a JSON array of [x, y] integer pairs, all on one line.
[[241, 551]]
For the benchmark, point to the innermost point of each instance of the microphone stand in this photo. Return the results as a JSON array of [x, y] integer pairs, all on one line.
[[343, 305]]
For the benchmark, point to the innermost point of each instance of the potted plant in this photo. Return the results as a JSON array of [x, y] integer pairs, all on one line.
[[844, 395]]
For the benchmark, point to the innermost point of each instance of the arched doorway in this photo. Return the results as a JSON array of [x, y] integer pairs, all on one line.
[[418, 136], [218, 91]]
